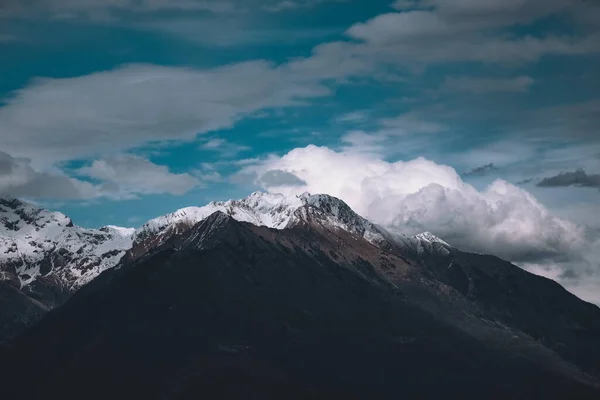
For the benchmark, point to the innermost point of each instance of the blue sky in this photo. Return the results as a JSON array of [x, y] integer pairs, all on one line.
[[117, 111]]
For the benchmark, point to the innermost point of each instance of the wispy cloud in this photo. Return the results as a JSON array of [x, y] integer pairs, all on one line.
[[482, 170], [225, 148], [519, 84]]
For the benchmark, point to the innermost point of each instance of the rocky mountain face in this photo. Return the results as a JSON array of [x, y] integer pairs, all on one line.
[[272, 297], [44, 259]]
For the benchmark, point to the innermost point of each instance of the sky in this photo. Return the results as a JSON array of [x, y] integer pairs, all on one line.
[[477, 120]]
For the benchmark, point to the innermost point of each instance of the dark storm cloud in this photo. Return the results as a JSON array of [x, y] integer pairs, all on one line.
[[482, 170], [576, 178]]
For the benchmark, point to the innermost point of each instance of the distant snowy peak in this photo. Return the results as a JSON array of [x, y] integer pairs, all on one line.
[[263, 209], [36, 242], [17, 215], [430, 237], [118, 230]]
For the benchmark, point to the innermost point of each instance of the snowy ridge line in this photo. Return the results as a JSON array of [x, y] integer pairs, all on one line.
[[35, 242]]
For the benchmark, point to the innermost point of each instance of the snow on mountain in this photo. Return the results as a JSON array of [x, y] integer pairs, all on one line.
[[264, 209], [35, 242], [430, 237]]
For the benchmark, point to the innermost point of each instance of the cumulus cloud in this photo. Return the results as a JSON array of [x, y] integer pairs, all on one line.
[[128, 175], [60, 119], [420, 195]]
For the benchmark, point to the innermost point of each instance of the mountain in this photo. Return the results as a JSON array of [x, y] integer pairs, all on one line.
[[44, 258], [263, 209], [323, 305]]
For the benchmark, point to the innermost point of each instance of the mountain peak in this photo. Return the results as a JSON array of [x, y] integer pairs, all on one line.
[[35, 242], [273, 210], [431, 238]]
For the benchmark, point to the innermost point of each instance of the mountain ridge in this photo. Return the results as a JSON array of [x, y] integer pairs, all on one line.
[[237, 309], [68, 257]]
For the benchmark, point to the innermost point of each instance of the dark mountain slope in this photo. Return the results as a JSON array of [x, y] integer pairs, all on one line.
[[18, 311], [231, 310], [515, 298]]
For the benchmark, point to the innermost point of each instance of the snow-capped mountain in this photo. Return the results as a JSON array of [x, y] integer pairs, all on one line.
[[236, 302], [35, 242], [46, 258], [263, 209], [38, 243]]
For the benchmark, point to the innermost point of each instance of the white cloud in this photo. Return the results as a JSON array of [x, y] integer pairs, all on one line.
[[61, 119], [214, 143], [352, 117], [128, 175], [421, 195]]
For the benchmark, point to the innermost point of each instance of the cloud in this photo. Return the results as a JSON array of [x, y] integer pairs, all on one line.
[[579, 119], [520, 84], [289, 5], [465, 30], [19, 179], [360, 141], [223, 147], [482, 170], [420, 195], [576, 178], [405, 5], [122, 176], [94, 8], [229, 31], [280, 178], [62, 119], [128, 175], [582, 281], [491, 13], [410, 123], [352, 117]]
